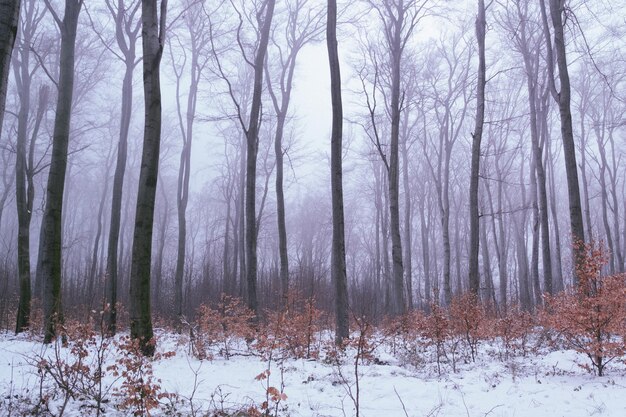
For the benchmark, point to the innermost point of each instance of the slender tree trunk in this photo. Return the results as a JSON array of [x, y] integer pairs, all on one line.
[[616, 223], [474, 277], [408, 226], [252, 138], [93, 269], [399, 304], [338, 262], [49, 265], [23, 215], [490, 296], [241, 207], [158, 265], [9, 20], [127, 46], [152, 34], [184, 171], [23, 189], [425, 255], [584, 137], [563, 97], [534, 262]]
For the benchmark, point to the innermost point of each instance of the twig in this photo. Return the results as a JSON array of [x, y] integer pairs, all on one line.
[[401, 402]]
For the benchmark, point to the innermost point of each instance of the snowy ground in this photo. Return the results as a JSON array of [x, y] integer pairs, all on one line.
[[550, 384]]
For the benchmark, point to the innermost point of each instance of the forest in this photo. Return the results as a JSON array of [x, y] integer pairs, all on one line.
[[286, 184]]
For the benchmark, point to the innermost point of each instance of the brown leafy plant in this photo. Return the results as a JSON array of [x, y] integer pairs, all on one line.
[[590, 317], [293, 331], [468, 321], [223, 326], [140, 392]]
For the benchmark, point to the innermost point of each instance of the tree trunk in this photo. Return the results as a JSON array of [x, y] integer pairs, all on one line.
[[408, 226], [93, 269], [152, 34], [338, 258], [111, 272], [49, 265], [569, 149], [24, 190], [425, 255], [474, 277], [252, 138], [9, 20], [184, 171]]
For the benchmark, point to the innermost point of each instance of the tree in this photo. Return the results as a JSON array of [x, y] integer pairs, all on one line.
[[563, 98], [126, 34], [49, 263], [24, 159], [303, 25], [9, 19], [153, 39], [474, 277], [252, 138], [338, 256], [196, 29]]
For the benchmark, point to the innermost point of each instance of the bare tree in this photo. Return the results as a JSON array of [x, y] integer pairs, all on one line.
[[563, 98], [303, 25], [338, 257], [153, 39], [265, 15], [9, 19], [24, 158], [127, 26], [49, 263], [196, 27], [474, 277]]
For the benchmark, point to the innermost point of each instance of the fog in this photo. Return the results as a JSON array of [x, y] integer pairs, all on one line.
[[207, 73]]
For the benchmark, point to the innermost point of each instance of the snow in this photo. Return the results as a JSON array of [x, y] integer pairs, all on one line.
[[547, 383]]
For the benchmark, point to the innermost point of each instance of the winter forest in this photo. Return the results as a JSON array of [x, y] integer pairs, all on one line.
[[312, 208]]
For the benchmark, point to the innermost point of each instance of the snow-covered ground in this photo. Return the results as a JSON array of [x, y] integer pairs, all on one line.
[[550, 384]]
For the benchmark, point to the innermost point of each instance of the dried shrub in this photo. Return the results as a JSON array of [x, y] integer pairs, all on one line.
[[468, 321], [76, 365], [223, 326], [437, 333], [590, 317], [512, 331], [140, 391], [292, 332], [404, 335]]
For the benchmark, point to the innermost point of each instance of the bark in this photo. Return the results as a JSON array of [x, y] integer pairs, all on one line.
[[534, 262], [490, 296], [521, 250], [408, 226], [126, 37], [474, 277], [152, 34], [531, 66], [196, 33], [338, 258], [425, 254], [394, 36], [9, 20], [163, 224], [252, 138], [93, 269], [49, 264], [563, 98], [302, 26], [614, 193], [558, 278], [24, 169]]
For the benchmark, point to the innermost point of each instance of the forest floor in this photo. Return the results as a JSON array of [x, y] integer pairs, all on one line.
[[392, 381]]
